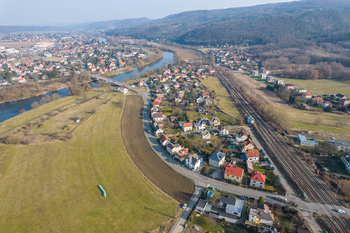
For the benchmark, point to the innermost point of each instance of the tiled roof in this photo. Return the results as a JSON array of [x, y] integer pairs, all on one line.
[[234, 171]]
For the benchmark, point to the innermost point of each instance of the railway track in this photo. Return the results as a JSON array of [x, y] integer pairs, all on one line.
[[298, 173]]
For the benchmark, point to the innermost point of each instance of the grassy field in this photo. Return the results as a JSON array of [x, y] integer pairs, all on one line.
[[224, 100], [148, 162], [322, 86], [54, 58], [211, 225], [52, 187], [34, 113], [323, 53]]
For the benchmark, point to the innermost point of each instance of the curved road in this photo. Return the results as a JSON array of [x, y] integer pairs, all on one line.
[[306, 209]]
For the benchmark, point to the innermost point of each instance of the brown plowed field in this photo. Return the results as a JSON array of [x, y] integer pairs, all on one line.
[[147, 161]]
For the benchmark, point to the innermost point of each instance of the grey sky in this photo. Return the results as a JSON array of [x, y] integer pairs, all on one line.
[[44, 12]]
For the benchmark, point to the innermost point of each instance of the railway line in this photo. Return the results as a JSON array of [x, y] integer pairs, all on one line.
[[298, 173]]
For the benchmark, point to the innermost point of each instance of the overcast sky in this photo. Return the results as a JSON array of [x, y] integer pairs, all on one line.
[[46, 12]]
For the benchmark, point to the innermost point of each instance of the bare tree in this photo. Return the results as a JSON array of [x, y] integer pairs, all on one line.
[[35, 105], [22, 111]]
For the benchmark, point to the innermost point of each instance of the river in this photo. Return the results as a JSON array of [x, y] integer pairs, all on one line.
[[11, 109]]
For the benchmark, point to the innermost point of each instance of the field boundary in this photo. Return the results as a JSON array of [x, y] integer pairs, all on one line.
[[178, 186], [155, 186]]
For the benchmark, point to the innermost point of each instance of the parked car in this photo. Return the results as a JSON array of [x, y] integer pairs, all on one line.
[[184, 206], [341, 211]]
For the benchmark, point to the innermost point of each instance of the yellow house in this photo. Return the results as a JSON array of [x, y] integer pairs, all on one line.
[[233, 173]]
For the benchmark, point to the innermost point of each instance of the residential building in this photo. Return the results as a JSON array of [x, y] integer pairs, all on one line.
[[346, 160], [173, 148], [303, 141], [289, 87], [217, 159], [300, 90], [318, 100], [231, 205], [223, 130], [206, 94], [200, 125], [215, 121], [262, 76], [326, 104], [307, 95], [201, 205], [261, 214], [205, 134], [158, 116], [338, 96], [242, 136], [278, 82], [341, 145], [233, 173], [344, 102], [158, 130], [193, 161], [270, 79], [252, 155], [258, 179], [182, 155], [164, 140], [228, 217], [186, 126], [254, 73], [124, 90], [247, 144]]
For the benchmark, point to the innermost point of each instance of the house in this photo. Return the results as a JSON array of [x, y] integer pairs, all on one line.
[[318, 100], [258, 179], [233, 173], [158, 130], [215, 121], [289, 87], [186, 126], [338, 96], [4, 82], [199, 100], [254, 73], [205, 134], [228, 217], [252, 155], [208, 102], [158, 116], [205, 94], [270, 79], [242, 136], [201, 206], [173, 148], [182, 155], [341, 145], [217, 159], [231, 205], [326, 104], [262, 76], [247, 144], [164, 140], [300, 90], [250, 167], [250, 120], [261, 214], [268, 230], [173, 118], [124, 90], [307, 95], [346, 160], [306, 142], [223, 130], [22, 80], [200, 125], [278, 82], [193, 161], [344, 102]]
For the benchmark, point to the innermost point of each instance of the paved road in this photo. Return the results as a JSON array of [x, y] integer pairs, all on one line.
[[306, 209]]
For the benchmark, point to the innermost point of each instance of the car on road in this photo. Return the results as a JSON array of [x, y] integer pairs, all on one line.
[[341, 211], [146, 130], [184, 206]]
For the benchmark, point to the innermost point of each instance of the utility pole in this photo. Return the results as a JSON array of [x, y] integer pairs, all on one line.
[[337, 189]]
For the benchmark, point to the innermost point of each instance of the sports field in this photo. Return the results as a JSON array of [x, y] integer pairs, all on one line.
[[52, 187]]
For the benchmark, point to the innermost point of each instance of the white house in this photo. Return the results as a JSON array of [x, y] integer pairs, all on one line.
[[231, 205], [258, 179], [223, 130], [215, 121], [342, 145], [242, 136], [306, 142], [252, 155], [262, 76], [205, 134], [261, 215], [124, 90], [250, 120], [193, 161], [186, 126], [278, 82], [158, 130], [200, 125], [164, 140]]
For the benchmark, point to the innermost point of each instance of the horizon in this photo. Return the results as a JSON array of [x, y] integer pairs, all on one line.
[[151, 10]]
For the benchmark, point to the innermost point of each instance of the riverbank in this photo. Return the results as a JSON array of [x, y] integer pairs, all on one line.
[[151, 58]]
